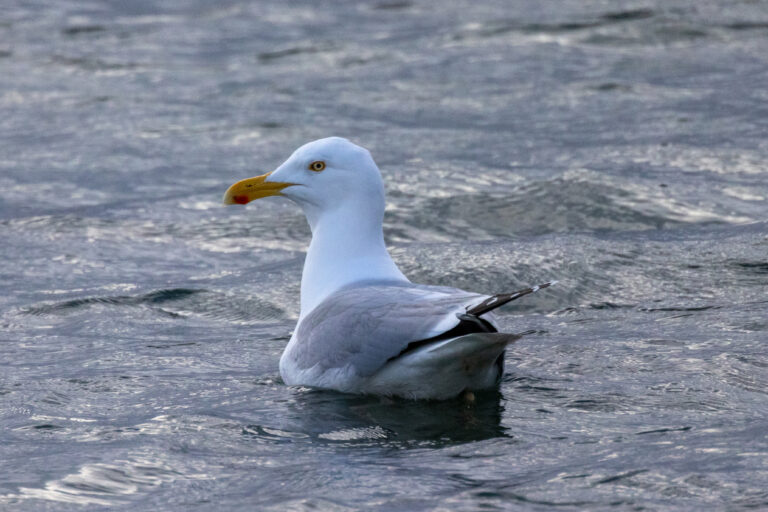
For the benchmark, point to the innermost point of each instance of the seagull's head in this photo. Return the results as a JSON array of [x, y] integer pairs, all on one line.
[[320, 176]]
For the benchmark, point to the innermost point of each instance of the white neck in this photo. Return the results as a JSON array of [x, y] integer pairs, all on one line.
[[347, 247]]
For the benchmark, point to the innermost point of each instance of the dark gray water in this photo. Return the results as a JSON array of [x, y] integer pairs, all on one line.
[[619, 147]]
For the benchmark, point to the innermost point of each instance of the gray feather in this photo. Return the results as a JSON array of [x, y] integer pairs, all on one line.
[[366, 325]]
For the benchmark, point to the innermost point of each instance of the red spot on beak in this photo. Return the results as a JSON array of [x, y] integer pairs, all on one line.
[[241, 199]]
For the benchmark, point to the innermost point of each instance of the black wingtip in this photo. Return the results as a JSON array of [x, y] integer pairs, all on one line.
[[496, 301]]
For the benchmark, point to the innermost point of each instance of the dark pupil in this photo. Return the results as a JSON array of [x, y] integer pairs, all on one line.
[[318, 165]]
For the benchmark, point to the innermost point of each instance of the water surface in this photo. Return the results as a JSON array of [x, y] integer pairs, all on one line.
[[618, 147]]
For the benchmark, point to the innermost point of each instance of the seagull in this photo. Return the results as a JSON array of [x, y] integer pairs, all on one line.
[[363, 326]]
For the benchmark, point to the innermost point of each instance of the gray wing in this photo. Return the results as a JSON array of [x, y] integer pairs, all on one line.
[[365, 326]]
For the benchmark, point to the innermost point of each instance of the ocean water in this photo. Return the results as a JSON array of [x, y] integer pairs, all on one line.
[[618, 147]]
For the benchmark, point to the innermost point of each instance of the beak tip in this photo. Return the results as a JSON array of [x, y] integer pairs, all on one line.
[[230, 198]]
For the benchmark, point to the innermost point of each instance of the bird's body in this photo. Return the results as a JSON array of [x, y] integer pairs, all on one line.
[[389, 338], [364, 327]]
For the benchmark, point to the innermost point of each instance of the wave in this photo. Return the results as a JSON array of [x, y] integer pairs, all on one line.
[[178, 302], [575, 202]]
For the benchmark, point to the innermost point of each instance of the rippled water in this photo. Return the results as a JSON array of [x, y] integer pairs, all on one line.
[[619, 147]]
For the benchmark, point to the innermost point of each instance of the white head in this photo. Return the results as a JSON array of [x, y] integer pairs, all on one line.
[[339, 187], [321, 176]]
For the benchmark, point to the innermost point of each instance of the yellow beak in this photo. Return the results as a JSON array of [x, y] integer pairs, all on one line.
[[247, 190]]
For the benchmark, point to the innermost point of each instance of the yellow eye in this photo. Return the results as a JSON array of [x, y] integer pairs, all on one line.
[[317, 166]]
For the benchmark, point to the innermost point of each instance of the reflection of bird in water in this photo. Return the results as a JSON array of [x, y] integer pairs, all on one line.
[[334, 417], [364, 327]]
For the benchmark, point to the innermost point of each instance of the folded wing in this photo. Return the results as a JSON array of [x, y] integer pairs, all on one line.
[[365, 326]]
